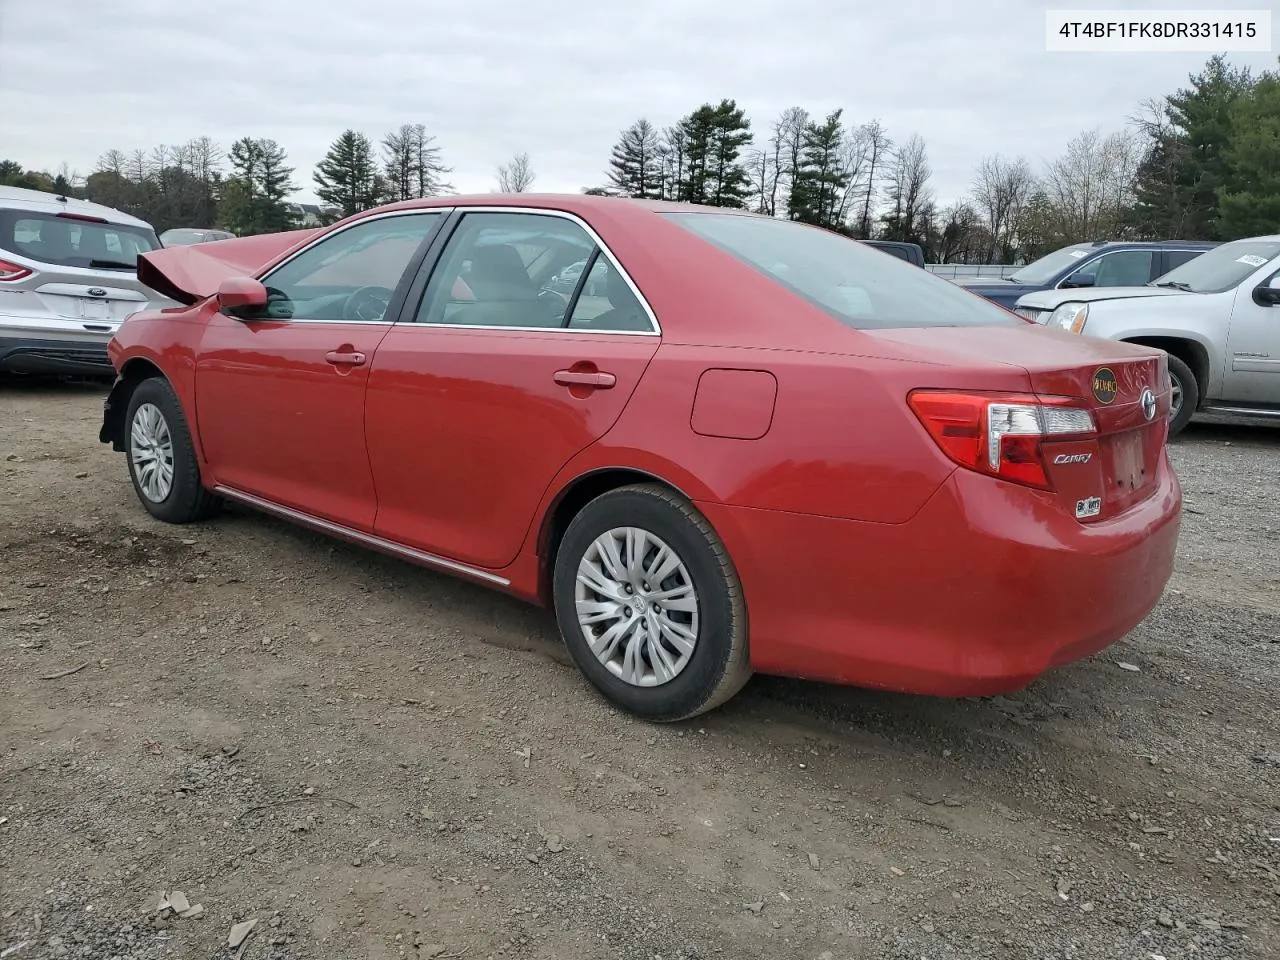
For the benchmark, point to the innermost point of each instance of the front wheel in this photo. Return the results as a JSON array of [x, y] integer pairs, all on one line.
[[650, 606], [1186, 395], [162, 457]]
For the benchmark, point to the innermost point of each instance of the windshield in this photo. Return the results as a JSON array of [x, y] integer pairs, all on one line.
[[70, 242], [857, 284], [1051, 264], [1222, 268]]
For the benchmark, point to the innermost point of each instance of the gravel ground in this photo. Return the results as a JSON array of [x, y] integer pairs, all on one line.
[[375, 761]]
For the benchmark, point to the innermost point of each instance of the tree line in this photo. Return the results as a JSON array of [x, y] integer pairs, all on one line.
[[1201, 163]]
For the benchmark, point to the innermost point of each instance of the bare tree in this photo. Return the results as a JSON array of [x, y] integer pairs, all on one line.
[[877, 146], [909, 190], [1092, 184], [515, 176], [854, 162], [763, 170], [1000, 189], [787, 144]]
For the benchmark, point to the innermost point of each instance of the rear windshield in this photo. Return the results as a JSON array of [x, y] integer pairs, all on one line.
[[857, 284], [1222, 267], [67, 242], [1051, 264]]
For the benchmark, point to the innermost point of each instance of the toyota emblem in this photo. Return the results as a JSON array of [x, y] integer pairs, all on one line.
[[1148, 401]]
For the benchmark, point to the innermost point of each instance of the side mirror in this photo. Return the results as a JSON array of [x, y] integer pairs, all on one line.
[[239, 294], [1268, 294], [1079, 280]]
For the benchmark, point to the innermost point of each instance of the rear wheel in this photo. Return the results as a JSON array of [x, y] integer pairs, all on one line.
[[1186, 395], [649, 604], [162, 457]]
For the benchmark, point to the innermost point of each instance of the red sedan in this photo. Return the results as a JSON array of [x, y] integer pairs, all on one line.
[[714, 443]]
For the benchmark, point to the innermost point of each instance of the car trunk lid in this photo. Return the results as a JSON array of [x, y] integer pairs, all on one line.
[[1125, 388]]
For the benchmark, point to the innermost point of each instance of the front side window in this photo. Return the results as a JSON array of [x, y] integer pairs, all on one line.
[[1222, 268], [853, 282], [351, 275], [1124, 268], [507, 270], [73, 242]]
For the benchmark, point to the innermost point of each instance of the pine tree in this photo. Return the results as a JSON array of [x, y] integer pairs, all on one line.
[[820, 180], [1250, 199], [714, 139], [412, 166], [348, 178], [636, 165], [253, 199]]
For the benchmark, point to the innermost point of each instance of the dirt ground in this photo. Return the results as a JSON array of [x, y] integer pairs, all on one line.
[[375, 761]]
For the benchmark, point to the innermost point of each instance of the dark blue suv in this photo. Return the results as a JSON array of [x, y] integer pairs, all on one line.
[[1101, 264]]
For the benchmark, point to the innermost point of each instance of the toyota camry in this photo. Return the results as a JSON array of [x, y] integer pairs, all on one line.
[[731, 444]]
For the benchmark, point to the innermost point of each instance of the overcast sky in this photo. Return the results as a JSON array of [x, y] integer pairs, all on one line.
[[555, 78]]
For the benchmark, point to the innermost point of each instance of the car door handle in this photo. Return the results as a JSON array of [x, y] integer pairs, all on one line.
[[582, 378], [345, 358]]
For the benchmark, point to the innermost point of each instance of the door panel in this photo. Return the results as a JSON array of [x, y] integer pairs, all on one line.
[[498, 380], [1253, 350], [280, 389], [467, 427], [279, 420]]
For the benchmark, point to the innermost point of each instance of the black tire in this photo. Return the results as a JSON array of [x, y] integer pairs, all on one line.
[[187, 500], [1183, 378], [719, 665]]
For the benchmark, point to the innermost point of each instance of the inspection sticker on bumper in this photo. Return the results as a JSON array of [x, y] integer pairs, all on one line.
[[1089, 507]]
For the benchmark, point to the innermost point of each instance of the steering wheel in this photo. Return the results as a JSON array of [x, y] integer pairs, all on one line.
[[368, 303]]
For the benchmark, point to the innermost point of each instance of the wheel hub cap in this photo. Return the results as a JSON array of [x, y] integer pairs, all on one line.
[[637, 606], [151, 450]]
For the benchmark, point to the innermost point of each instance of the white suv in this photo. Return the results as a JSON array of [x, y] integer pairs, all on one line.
[[68, 277]]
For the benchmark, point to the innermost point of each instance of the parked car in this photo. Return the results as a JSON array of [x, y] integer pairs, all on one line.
[[67, 280], [181, 236], [1217, 316], [910, 252], [1101, 264], [770, 447]]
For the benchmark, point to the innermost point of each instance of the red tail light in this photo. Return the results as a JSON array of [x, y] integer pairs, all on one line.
[[12, 271], [1001, 434], [82, 216]]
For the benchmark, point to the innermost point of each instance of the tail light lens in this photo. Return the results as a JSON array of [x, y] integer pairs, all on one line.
[[12, 271], [1001, 434]]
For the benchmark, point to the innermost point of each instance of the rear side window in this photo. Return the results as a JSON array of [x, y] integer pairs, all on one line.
[[854, 283], [69, 242]]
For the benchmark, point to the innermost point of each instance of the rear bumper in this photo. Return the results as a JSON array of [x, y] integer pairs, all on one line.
[[985, 589], [38, 355]]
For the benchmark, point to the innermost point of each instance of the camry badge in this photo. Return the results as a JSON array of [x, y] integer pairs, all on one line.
[[1104, 385], [1148, 402]]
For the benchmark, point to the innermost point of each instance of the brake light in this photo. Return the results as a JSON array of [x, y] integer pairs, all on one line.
[[82, 216], [1001, 434], [12, 271]]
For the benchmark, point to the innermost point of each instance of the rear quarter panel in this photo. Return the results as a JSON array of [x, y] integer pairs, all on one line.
[[841, 441]]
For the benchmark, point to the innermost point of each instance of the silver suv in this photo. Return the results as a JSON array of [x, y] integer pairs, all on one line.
[[68, 277]]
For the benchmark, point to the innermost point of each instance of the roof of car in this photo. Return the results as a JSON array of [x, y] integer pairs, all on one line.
[[55, 203], [571, 202]]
